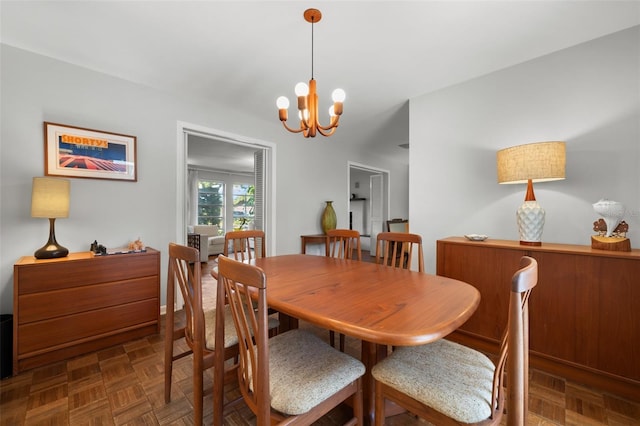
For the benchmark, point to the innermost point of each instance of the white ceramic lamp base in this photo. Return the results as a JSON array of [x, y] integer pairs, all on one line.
[[530, 218]]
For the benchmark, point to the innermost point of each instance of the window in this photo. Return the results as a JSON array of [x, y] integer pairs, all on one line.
[[218, 206], [243, 205], [211, 203]]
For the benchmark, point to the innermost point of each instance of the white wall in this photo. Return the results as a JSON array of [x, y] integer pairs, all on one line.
[[36, 89], [587, 95]]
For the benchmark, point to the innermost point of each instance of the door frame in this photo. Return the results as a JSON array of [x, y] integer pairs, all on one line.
[[386, 182], [184, 128]]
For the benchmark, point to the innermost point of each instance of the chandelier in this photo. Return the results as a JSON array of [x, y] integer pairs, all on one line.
[[308, 99]]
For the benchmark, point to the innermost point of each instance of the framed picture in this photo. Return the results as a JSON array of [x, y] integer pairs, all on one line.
[[85, 153]]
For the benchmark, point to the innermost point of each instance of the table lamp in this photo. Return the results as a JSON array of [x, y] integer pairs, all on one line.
[[50, 199], [534, 162]]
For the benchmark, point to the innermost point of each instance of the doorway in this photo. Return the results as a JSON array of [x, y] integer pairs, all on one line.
[[264, 173], [368, 192]]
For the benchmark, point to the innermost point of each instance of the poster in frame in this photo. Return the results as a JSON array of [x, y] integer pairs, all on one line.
[[86, 153]]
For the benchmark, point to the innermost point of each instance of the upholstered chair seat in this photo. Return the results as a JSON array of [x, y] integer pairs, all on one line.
[[425, 373], [304, 371]]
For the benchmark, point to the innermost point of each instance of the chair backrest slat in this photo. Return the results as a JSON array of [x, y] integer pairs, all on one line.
[[245, 245], [395, 249], [343, 242]]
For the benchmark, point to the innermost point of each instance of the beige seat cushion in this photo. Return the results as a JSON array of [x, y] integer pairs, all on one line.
[[451, 378], [304, 371]]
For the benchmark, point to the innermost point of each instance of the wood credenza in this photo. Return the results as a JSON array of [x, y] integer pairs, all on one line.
[[81, 303], [584, 314]]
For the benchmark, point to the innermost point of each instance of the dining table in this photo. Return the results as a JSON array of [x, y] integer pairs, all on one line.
[[380, 305]]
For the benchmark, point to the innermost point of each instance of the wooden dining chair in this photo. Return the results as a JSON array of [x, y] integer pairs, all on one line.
[[447, 383], [294, 377], [198, 331], [344, 244], [395, 249], [245, 245], [398, 225]]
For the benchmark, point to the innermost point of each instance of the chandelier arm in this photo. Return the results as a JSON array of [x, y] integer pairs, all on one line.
[[332, 125], [292, 130], [322, 131]]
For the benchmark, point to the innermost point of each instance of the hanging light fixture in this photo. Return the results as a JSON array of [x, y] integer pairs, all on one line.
[[308, 99]]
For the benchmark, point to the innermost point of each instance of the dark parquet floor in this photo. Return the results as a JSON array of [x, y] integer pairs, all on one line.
[[123, 385]]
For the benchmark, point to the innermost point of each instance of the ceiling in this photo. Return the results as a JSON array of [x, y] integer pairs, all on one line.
[[208, 153], [245, 54]]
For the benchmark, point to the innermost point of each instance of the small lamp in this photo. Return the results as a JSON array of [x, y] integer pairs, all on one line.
[[50, 199], [534, 162]]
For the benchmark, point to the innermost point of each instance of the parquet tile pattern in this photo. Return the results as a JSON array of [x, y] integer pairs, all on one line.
[[123, 385]]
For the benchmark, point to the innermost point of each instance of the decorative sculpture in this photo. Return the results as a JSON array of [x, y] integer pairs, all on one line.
[[611, 229]]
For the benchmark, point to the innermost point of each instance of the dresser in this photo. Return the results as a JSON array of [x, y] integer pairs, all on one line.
[[82, 303], [584, 313]]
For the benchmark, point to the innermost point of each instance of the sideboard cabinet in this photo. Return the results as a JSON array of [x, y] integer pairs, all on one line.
[[81, 303], [584, 314]]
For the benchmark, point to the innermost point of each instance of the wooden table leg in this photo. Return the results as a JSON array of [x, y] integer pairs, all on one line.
[[370, 355], [286, 322]]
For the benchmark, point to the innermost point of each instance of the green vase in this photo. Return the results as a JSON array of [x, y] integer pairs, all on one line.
[[328, 218]]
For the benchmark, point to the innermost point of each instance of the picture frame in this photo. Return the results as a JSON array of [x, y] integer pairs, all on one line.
[[78, 152]]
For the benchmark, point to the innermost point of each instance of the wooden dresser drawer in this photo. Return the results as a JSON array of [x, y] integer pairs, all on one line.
[[90, 325], [84, 271], [52, 304]]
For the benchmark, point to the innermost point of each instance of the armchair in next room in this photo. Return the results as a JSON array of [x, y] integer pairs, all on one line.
[[207, 239]]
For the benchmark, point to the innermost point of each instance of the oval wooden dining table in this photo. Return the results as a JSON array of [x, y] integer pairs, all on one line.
[[376, 304]]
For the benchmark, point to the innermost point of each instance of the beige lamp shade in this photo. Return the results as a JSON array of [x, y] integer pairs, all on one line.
[[540, 162], [50, 197]]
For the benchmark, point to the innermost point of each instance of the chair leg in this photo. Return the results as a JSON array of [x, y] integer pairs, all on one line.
[[168, 368], [197, 390], [358, 408], [379, 404], [332, 340], [168, 351]]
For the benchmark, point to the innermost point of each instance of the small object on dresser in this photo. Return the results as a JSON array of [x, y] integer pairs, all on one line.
[[476, 237], [98, 249], [137, 245], [611, 229]]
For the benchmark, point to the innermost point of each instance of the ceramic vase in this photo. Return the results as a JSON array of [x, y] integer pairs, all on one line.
[[328, 220], [530, 218]]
